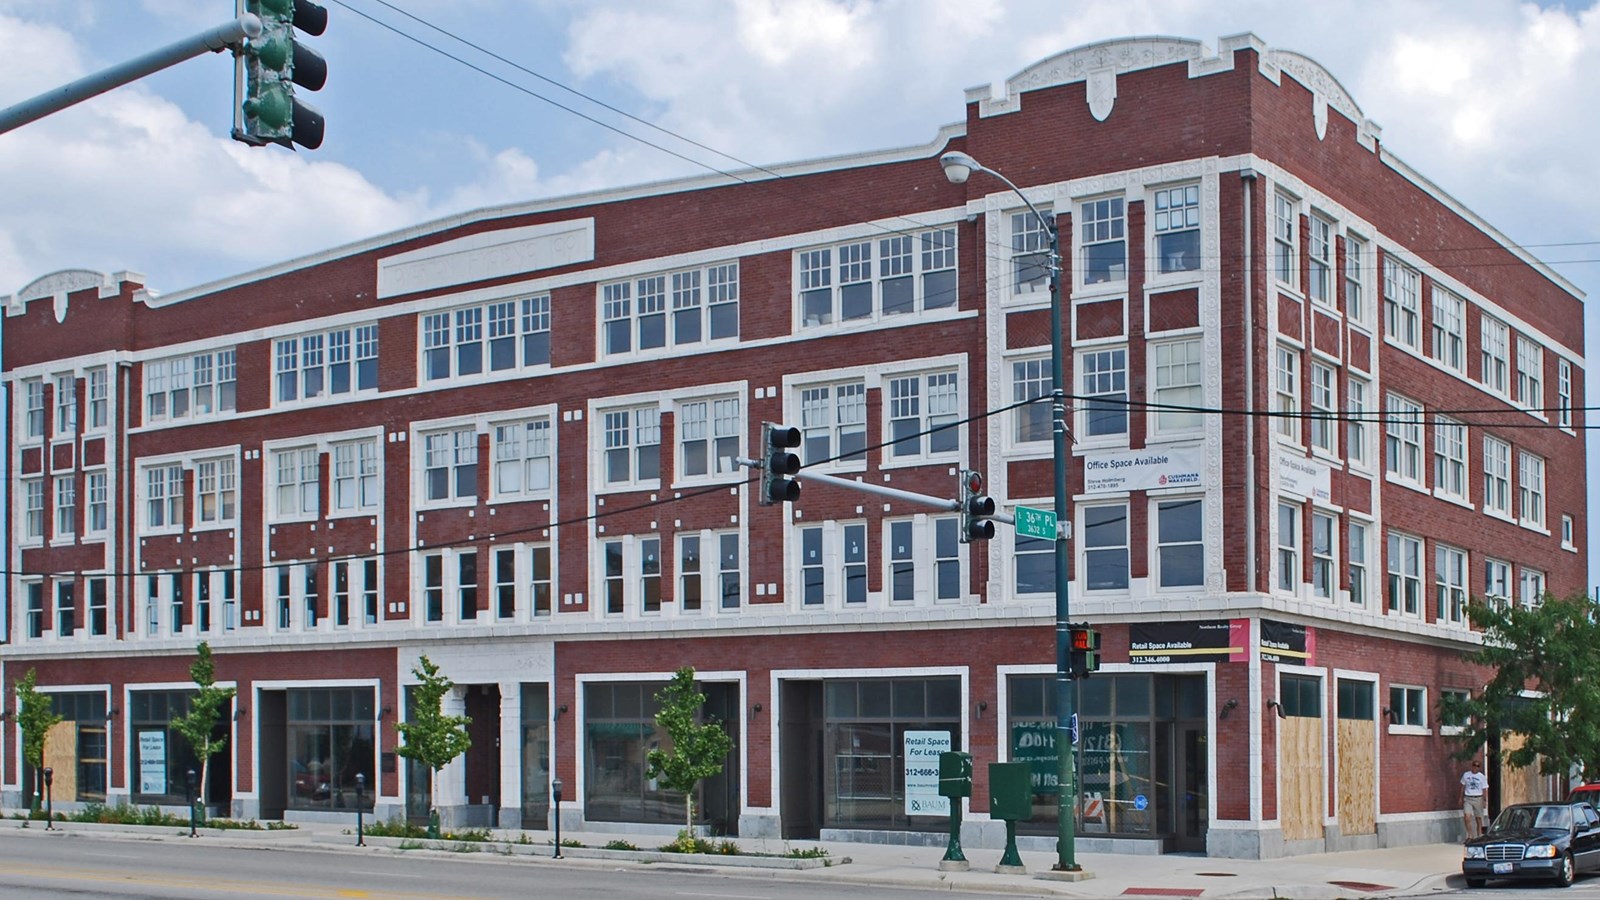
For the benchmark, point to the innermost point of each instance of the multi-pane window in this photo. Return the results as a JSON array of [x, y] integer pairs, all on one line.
[[1103, 389], [926, 560], [467, 586], [95, 514], [1450, 458], [327, 364], [522, 458], [1105, 547], [670, 309], [1401, 315], [1530, 587], [1180, 543], [833, 420], [1288, 538], [1408, 706], [1033, 564], [99, 607], [1530, 374], [1450, 583], [1285, 222], [1563, 393], [496, 337], [1495, 350], [1324, 409], [355, 476], [295, 482], [163, 496], [730, 580], [1319, 261], [66, 608], [1358, 405], [205, 384], [35, 591], [632, 445], [433, 587], [1286, 392], [1405, 574], [813, 573], [66, 511], [1323, 528], [1449, 330], [99, 392], [1101, 230], [709, 435], [1496, 476], [1530, 489], [1030, 253], [1358, 563], [216, 489], [1496, 582], [1031, 380], [450, 464], [33, 509], [922, 413], [839, 575], [33, 409], [873, 279], [853, 563], [1403, 438], [1355, 277], [66, 406], [1178, 392], [1177, 229], [700, 580], [650, 575]]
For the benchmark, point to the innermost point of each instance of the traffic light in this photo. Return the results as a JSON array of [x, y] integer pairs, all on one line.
[[274, 63], [976, 506], [1085, 649], [777, 464]]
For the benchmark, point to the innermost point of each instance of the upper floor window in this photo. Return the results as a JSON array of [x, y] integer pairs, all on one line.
[[1286, 397], [1450, 458], [522, 458], [96, 518], [1288, 533], [328, 364], [1530, 489], [922, 413], [833, 419], [1102, 234], [1355, 279], [1180, 543], [33, 509], [295, 475], [1105, 547], [1319, 261], [1403, 439], [66, 512], [1103, 383], [1530, 375], [1495, 340], [1530, 587], [1177, 229], [676, 309], [1449, 330], [1450, 583], [1564, 393], [1358, 405], [632, 446], [1496, 582], [1285, 241], [924, 559], [355, 476], [1323, 528], [216, 491], [1405, 574], [1324, 409], [870, 280], [1030, 253], [496, 337], [1358, 563], [99, 391], [204, 384], [833, 565], [703, 581], [1031, 380], [450, 465], [163, 497], [1401, 309], [66, 406], [1177, 389], [33, 415], [1496, 476], [709, 435]]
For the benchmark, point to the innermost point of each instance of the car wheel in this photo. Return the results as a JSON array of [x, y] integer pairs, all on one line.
[[1476, 882], [1567, 872]]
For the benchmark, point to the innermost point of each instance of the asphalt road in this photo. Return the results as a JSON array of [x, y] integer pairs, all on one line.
[[49, 866]]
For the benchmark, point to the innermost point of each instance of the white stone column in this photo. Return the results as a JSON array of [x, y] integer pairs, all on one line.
[[510, 755]]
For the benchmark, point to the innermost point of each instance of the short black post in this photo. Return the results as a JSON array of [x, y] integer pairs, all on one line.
[[188, 790], [555, 794], [49, 806], [361, 788]]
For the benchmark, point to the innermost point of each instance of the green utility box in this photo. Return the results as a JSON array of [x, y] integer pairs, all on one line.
[[955, 774], [1010, 791]]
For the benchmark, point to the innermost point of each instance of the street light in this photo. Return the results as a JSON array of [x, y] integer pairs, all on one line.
[[958, 167]]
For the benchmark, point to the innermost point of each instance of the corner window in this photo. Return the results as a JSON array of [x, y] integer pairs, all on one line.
[[1177, 229], [1101, 231]]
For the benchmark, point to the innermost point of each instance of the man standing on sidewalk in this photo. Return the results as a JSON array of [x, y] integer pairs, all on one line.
[[1474, 786]]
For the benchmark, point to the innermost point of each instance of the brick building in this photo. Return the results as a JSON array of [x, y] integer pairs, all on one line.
[[1314, 405]]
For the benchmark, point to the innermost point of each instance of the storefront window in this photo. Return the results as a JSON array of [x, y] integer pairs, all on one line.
[[76, 748], [160, 754], [535, 755], [619, 730], [329, 743], [864, 763]]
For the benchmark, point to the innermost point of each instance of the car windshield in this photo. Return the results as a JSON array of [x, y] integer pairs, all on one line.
[[1523, 818]]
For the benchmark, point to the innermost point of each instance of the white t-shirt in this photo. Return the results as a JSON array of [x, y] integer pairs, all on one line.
[[1474, 783]]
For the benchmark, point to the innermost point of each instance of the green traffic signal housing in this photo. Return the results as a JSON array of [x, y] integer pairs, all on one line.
[[274, 64], [976, 506], [1084, 647], [778, 464]]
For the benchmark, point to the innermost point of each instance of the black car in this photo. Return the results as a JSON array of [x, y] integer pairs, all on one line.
[[1535, 840]]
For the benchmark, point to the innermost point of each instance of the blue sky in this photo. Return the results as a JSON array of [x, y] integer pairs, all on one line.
[[1490, 99]]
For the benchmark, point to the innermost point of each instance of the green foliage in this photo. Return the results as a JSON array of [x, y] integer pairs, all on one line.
[[395, 828], [620, 844], [807, 853], [698, 749], [206, 704], [125, 814], [431, 737], [1552, 652], [36, 715], [571, 842], [470, 835]]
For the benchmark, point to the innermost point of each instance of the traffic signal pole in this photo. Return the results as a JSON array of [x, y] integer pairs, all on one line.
[[216, 40], [939, 503]]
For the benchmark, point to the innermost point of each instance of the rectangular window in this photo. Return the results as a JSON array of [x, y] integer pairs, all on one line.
[[650, 575], [1323, 529], [1177, 229], [1178, 393], [216, 491], [853, 568], [1496, 582], [283, 595], [911, 550], [1530, 587], [1319, 261], [1034, 565], [355, 476], [1031, 380], [1101, 230], [99, 392], [833, 420], [1450, 583], [309, 594], [1103, 389], [66, 608], [33, 509], [1285, 243], [66, 406], [1405, 575], [1180, 543], [1530, 375], [501, 336], [1563, 393], [1401, 308], [616, 587], [33, 415], [175, 600], [871, 280], [710, 433], [1356, 437], [922, 414], [1530, 489], [99, 607], [730, 578], [203, 385], [1288, 532], [202, 601], [1105, 547], [66, 511], [691, 590], [1453, 699], [433, 587], [522, 459], [1495, 341], [35, 591], [1496, 476], [1030, 254], [1286, 394], [230, 600], [541, 579], [1450, 458], [95, 515], [1403, 439], [1355, 276], [1567, 533], [341, 593], [1408, 706], [632, 442], [1449, 330], [295, 481], [467, 585], [450, 465], [1358, 563], [505, 583], [164, 497], [1324, 409], [813, 578]]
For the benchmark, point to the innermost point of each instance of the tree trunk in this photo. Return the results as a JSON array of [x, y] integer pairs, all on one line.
[[205, 779], [688, 815]]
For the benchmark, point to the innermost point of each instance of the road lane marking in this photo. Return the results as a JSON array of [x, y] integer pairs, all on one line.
[[206, 883]]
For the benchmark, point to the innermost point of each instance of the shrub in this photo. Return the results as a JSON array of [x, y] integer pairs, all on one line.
[[618, 844], [396, 828], [471, 835], [807, 853]]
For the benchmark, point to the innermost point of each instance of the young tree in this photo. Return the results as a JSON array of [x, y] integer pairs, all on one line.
[[698, 749], [36, 715], [431, 737], [206, 704], [1552, 652]]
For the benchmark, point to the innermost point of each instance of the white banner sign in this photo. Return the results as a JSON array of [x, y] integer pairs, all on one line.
[[1143, 470], [922, 773], [1302, 477], [152, 762]]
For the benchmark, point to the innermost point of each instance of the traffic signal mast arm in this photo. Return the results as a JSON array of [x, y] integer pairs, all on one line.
[[925, 499]]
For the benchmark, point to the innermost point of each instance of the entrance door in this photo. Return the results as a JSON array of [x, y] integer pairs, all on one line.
[[482, 759], [800, 759], [719, 794], [1193, 789]]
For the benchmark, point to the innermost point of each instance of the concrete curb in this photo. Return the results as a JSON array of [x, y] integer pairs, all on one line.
[[155, 832], [509, 848]]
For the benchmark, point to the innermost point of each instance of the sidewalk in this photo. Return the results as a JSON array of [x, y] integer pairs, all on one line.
[[1403, 871]]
